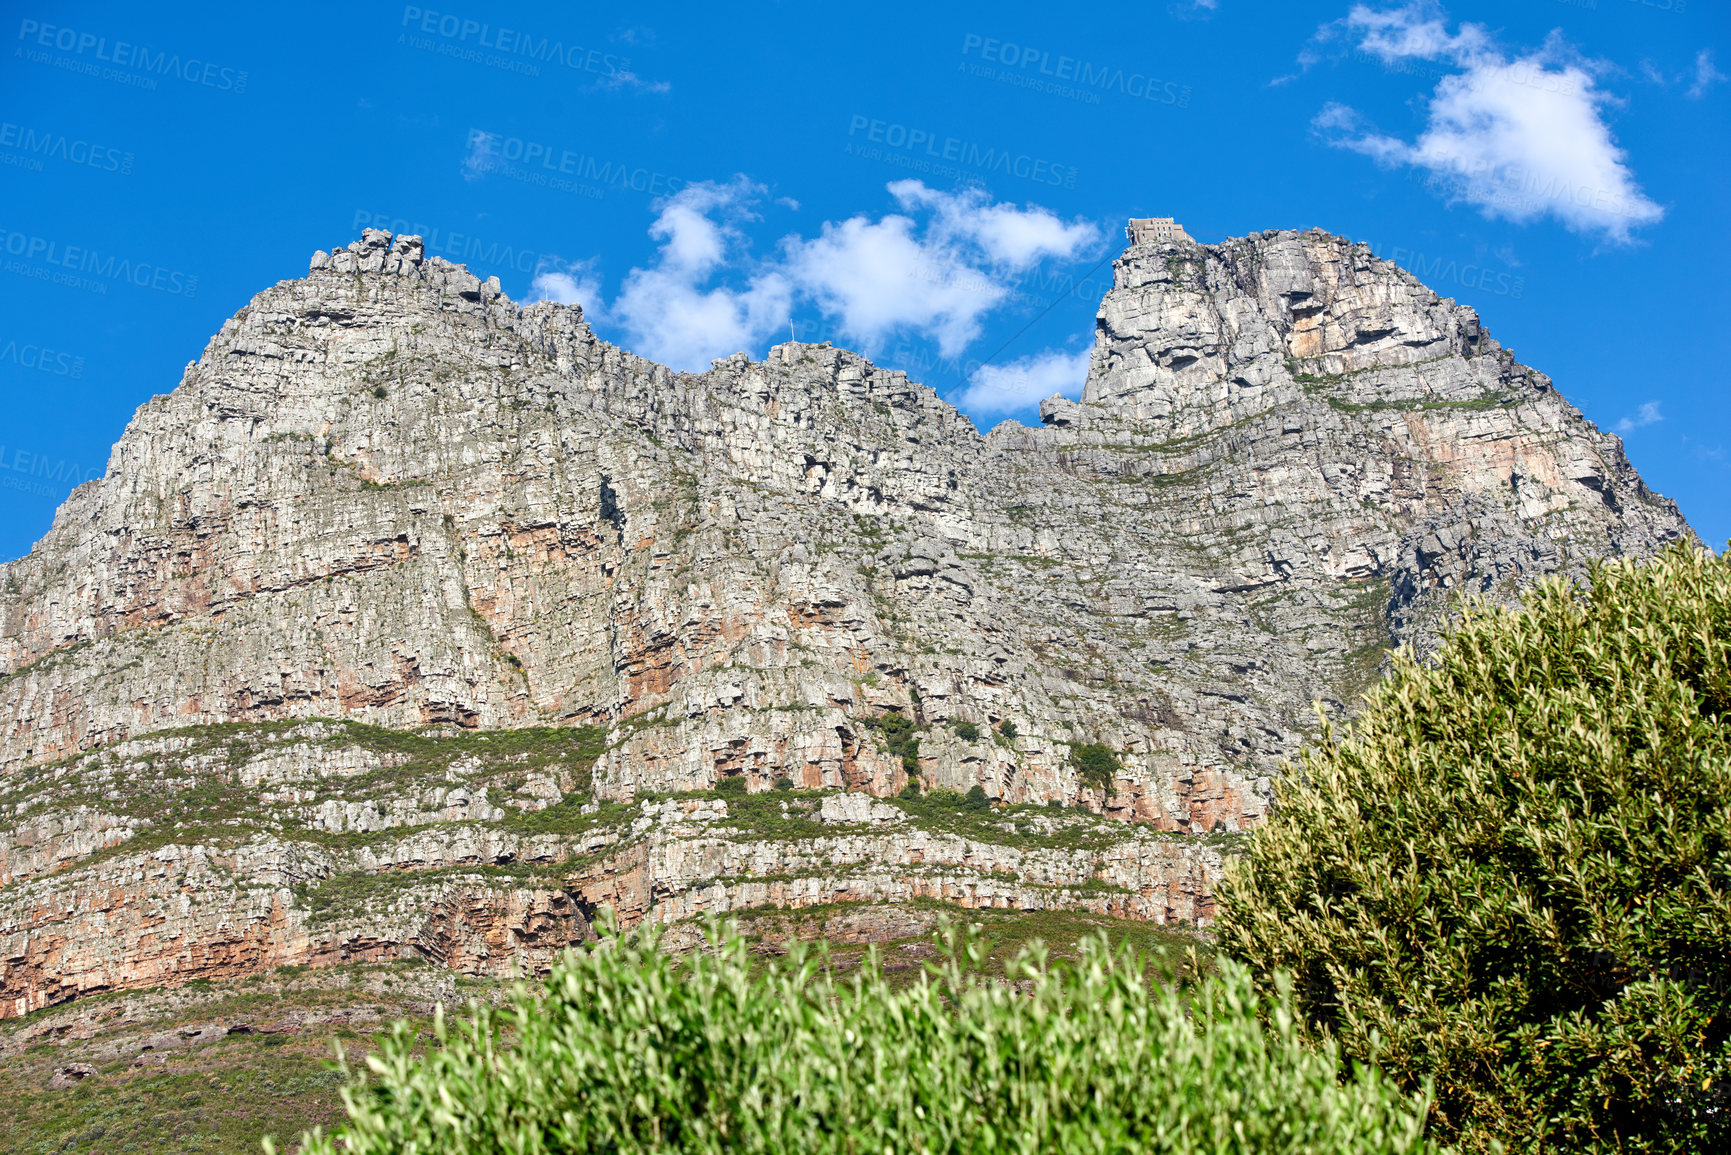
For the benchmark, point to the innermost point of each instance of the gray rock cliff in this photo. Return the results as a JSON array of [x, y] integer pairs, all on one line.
[[389, 495]]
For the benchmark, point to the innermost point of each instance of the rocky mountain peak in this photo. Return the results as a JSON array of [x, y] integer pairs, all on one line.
[[387, 496], [1201, 336]]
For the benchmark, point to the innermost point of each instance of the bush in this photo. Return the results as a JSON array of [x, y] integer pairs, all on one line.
[[901, 739], [1096, 765], [1512, 874], [784, 783], [625, 1050], [946, 807], [733, 784], [1007, 728], [967, 731]]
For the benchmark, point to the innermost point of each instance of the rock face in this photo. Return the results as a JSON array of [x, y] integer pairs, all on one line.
[[387, 494], [226, 850]]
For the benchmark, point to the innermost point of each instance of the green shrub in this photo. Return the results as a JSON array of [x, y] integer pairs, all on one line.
[[1512, 874], [1096, 765], [949, 809], [784, 783], [625, 1050], [1007, 728], [731, 784], [967, 731], [901, 738]]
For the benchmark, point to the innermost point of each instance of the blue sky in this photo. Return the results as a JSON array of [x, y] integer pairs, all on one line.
[[934, 184]]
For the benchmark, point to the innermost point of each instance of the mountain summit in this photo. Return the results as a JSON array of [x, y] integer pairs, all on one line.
[[418, 621]]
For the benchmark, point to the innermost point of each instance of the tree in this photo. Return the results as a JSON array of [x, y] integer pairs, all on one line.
[[1512, 873], [1096, 765]]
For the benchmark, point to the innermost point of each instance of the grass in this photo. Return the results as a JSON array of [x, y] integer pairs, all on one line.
[[779, 814], [194, 793], [1472, 405], [1005, 933], [567, 817], [350, 892], [221, 1097], [225, 1096], [187, 806], [1361, 665], [223, 1101], [1025, 826]]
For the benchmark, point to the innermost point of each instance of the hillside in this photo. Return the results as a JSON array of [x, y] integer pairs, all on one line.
[[415, 623]]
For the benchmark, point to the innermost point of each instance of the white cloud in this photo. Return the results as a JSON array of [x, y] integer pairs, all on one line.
[[576, 284], [1521, 137], [1415, 30], [634, 82], [1004, 233], [875, 277], [483, 155], [1648, 414], [669, 314], [1705, 75], [938, 280], [935, 270], [1004, 388]]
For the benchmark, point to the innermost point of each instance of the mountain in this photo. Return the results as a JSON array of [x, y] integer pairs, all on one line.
[[418, 622]]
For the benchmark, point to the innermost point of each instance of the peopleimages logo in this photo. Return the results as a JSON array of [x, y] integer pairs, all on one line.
[[41, 358], [458, 248], [34, 473], [1031, 63], [38, 144], [936, 151], [1443, 271], [491, 152], [88, 269], [91, 49], [513, 47]]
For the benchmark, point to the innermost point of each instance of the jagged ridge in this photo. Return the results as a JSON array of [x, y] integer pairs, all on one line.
[[388, 493]]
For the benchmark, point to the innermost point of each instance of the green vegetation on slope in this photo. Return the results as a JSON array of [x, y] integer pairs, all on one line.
[[194, 792], [1512, 874], [271, 1076], [221, 1098], [219, 1101], [622, 1050], [1096, 765], [901, 739]]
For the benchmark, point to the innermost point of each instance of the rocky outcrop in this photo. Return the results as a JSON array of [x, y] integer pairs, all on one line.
[[388, 494], [321, 842]]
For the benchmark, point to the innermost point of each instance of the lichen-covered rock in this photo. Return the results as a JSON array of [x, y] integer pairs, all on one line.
[[388, 494]]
